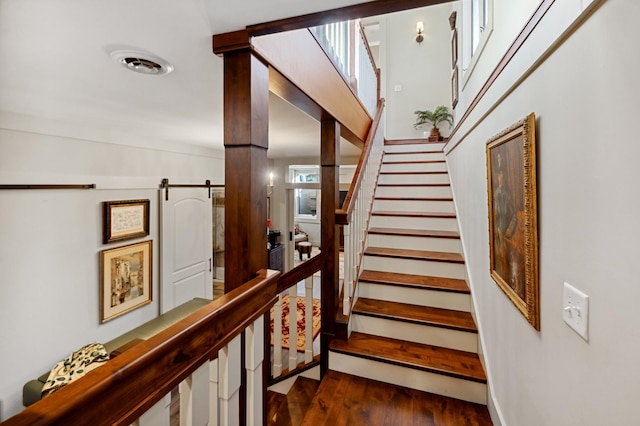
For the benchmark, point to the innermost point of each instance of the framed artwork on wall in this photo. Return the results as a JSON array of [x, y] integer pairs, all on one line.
[[454, 49], [124, 220], [454, 88], [125, 279], [513, 230]]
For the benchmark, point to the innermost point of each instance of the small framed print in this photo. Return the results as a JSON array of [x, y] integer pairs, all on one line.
[[125, 220], [125, 279]]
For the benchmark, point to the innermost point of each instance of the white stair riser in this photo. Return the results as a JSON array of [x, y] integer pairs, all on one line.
[[414, 206], [414, 167], [401, 178], [411, 378], [415, 296], [421, 147], [416, 267], [403, 222], [414, 156], [418, 333], [448, 245], [414, 191]]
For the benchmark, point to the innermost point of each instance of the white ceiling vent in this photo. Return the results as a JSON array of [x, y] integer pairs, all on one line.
[[143, 63]]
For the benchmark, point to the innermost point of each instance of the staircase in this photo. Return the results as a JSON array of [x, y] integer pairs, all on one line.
[[412, 324]]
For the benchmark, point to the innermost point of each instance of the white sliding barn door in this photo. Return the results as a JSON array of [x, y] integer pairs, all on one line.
[[186, 250]]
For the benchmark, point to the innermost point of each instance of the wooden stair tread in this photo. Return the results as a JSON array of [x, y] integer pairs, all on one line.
[[436, 256], [412, 152], [414, 198], [350, 400], [412, 185], [413, 214], [415, 173], [413, 161], [415, 232], [409, 280], [416, 314], [434, 359], [413, 141]]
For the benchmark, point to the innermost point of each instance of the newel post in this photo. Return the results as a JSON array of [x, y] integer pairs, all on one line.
[[246, 119], [330, 198]]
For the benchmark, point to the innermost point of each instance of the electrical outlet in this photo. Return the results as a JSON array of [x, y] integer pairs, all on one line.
[[397, 88], [575, 305]]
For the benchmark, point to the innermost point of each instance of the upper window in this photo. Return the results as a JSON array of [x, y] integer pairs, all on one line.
[[478, 24]]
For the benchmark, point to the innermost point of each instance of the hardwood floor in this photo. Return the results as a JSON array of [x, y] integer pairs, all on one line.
[[290, 409], [343, 399]]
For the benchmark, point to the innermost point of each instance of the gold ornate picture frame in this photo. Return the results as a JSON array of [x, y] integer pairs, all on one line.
[[513, 224], [125, 279]]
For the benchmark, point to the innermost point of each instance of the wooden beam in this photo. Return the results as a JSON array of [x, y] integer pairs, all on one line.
[[362, 10], [302, 61]]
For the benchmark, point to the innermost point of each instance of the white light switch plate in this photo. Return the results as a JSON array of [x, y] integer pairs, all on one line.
[[575, 312]]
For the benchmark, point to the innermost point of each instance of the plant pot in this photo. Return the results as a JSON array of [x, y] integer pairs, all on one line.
[[435, 134]]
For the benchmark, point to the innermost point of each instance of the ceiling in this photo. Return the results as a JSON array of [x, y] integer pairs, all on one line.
[[57, 75]]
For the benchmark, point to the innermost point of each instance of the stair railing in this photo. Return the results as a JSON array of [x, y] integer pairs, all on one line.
[[356, 210], [345, 43], [202, 353], [282, 368]]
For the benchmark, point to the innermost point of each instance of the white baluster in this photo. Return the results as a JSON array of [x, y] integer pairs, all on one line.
[[293, 327], [308, 319], [277, 338], [229, 368], [158, 415], [194, 397], [347, 269], [213, 392], [254, 338]]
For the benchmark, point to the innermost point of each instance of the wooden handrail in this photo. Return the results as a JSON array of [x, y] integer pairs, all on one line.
[[118, 392], [300, 272], [343, 214]]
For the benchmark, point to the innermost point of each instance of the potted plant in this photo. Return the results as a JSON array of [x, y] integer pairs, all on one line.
[[435, 117]]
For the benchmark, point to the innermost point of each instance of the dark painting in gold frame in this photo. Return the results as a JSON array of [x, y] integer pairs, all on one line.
[[513, 224]]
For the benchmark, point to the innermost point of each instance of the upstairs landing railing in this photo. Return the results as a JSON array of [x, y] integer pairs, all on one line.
[[356, 210], [202, 353]]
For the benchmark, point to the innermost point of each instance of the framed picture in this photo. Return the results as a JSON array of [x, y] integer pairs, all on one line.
[[125, 279], [454, 49], [124, 220], [454, 88], [513, 230]]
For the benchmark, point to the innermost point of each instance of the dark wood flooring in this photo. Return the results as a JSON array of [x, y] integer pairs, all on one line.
[[290, 409], [343, 399]]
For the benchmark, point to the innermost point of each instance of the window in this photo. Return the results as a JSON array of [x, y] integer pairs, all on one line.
[[478, 25], [307, 200]]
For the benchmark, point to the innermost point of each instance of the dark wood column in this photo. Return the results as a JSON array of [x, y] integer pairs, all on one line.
[[246, 106], [330, 198]]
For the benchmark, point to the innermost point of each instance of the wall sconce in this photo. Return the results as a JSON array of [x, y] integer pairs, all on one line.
[[419, 29], [271, 179]]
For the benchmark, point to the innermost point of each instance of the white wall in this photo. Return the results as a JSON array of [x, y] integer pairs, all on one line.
[[50, 242], [422, 70], [585, 98]]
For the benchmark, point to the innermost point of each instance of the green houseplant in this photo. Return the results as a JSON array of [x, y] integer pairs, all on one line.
[[435, 117]]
